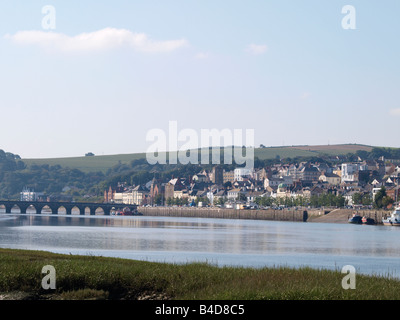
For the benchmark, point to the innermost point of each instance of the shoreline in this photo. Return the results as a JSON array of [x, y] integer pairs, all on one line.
[[103, 278]]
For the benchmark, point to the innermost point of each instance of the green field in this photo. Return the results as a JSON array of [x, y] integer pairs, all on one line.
[[88, 164], [89, 277], [103, 163]]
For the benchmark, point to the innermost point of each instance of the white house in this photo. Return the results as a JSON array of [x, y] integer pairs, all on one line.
[[138, 195], [240, 173], [234, 194], [273, 182], [349, 172], [30, 195]]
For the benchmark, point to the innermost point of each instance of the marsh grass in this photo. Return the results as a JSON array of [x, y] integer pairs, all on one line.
[[88, 277]]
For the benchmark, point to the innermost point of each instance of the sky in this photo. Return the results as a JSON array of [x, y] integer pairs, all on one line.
[[97, 76]]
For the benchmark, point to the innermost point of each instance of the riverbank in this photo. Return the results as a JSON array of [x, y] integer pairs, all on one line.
[[101, 278]]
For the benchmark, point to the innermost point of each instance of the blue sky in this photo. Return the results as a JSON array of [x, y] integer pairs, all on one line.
[[113, 70]]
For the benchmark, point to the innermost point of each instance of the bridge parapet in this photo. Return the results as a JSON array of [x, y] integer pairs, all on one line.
[[55, 206]]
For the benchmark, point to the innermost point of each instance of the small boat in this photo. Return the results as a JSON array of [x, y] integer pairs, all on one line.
[[128, 212], [125, 212], [394, 219], [386, 222], [355, 219], [366, 220]]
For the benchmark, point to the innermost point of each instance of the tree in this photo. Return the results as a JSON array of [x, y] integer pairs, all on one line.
[[241, 196], [228, 185], [170, 201], [219, 201], [367, 200], [205, 201], [362, 154], [159, 199], [357, 198], [264, 201], [340, 201], [300, 201], [379, 197], [327, 200], [386, 201]]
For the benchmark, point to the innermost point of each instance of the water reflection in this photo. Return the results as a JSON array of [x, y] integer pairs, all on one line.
[[234, 242]]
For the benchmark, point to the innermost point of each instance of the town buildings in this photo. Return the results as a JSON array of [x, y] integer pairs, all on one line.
[[279, 181]]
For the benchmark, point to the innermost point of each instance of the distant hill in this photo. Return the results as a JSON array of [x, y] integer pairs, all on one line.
[[309, 151], [103, 163], [88, 164]]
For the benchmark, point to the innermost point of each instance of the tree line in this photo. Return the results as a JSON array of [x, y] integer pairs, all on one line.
[[15, 175], [322, 200]]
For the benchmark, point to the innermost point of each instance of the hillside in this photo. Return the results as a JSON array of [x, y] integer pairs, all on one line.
[[88, 164], [103, 163]]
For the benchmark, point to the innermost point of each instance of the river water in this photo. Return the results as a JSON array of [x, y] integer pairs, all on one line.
[[370, 249]]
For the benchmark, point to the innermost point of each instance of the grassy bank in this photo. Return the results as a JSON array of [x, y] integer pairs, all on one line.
[[88, 277]]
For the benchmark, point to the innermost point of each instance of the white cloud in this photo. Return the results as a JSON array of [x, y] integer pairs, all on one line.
[[395, 112], [105, 39], [256, 49]]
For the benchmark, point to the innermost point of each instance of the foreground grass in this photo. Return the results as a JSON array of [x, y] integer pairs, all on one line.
[[88, 277]]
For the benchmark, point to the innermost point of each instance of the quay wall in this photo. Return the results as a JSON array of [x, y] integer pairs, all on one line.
[[222, 213], [342, 215], [299, 215]]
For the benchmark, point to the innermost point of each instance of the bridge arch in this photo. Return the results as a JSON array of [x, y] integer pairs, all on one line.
[[31, 209], [44, 209], [75, 210], [62, 210], [58, 207], [89, 210], [15, 208], [99, 211]]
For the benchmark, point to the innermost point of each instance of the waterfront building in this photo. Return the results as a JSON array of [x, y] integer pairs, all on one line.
[[30, 195]]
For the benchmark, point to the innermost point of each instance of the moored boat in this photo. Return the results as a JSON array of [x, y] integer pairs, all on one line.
[[125, 212], [356, 219], [394, 219], [128, 212], [386, 222], [366, 220]]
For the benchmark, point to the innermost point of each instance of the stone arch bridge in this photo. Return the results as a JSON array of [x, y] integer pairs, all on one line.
[[68, 206]]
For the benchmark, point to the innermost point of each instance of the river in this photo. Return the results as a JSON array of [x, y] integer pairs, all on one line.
[[249, 243]]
